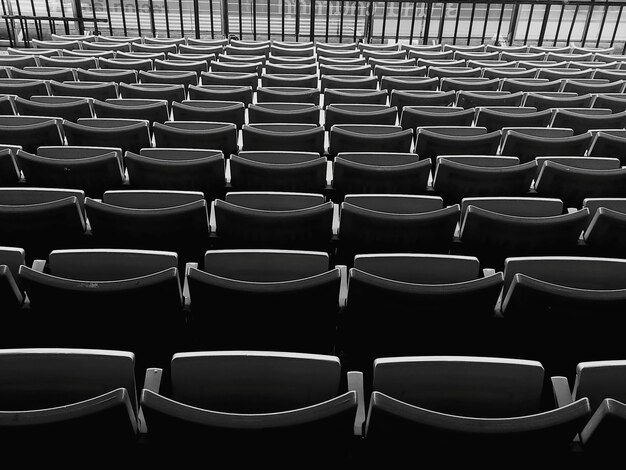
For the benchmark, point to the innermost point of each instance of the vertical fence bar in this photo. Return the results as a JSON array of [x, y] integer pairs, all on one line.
[[167, 18], [530, 17], [399, 18], [546, 15], [108, 16], [312, 22], [269, 19], [225, 21], [23, 25], [138, 18], [240, 20], [571, 29], [456, 24], [123, 17], [499, 30], [36, 23], [471, 24], [513, 24], [558, 26], [429, 12], [78, 11], [588, 22], [356, 18], [487, 11], [196, 17], [369, 23], [619, 17], [212, 21], [283, 21], [442, 19], [341, 22], [254, 20], [182, 18], [66, 24], [298, 20], [327, 19], [10, 26], [604, 15], [411, 33], [51, 23], [384, 30], [152, 22]]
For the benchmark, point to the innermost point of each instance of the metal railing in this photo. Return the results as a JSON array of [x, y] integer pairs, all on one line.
[[591, 23]]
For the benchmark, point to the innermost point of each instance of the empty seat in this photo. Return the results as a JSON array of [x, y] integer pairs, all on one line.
[[107, 75], [573, 184], [27, 213], [71, 108], [91, 173], [10, 173], [473, 407], [604, 234], [409, 83], [287, 95], [163, 220], [23, 87], [59, 73], [369, 137], [601, 382], [142, 287], [280, 220], [30, 132], [402, 98], [220, 136], [384, 223], [499, 117], [474, 84], [294, 404], [354, 96], [283, 136], [527, 85], [379, 172], [149, 109], [175, 77], [473, 99], [131, 135], [526, 145], [582, 122], [495, 228], [85, 399], [231, 79], [447, 301], [459, 176], [96, 90], [245, 299], [184, 169], [432, 141], [160, 91], [278, 171], [552, 296], [209, 110], [359, 114], [284, 112], [545, 100], [289, 79], [413, 117], [239, 93]]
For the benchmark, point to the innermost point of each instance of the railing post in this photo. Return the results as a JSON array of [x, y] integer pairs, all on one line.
[[78, 13], [196, 17], [312, 22], [369, 23], [587, 23], [546, 15], [225, 28], [513, 24]]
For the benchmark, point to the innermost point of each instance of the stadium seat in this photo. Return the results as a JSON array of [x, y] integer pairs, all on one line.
[[30, 132], [245, 299], [369, 138], [283, 136], [379, 173], [131, 135], [278, 171], [284, 112], [383, 223], [149, 109], [294, 405], [432, 141], [473, 408], [183, 169], [222, 136]]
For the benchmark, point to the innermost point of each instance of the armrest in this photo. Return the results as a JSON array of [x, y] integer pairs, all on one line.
[[571, 210], [152, 382], [39, 265], [343, 289], [355, 382], [488, 272], [335, 219], [186, 296], [562, 393]]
